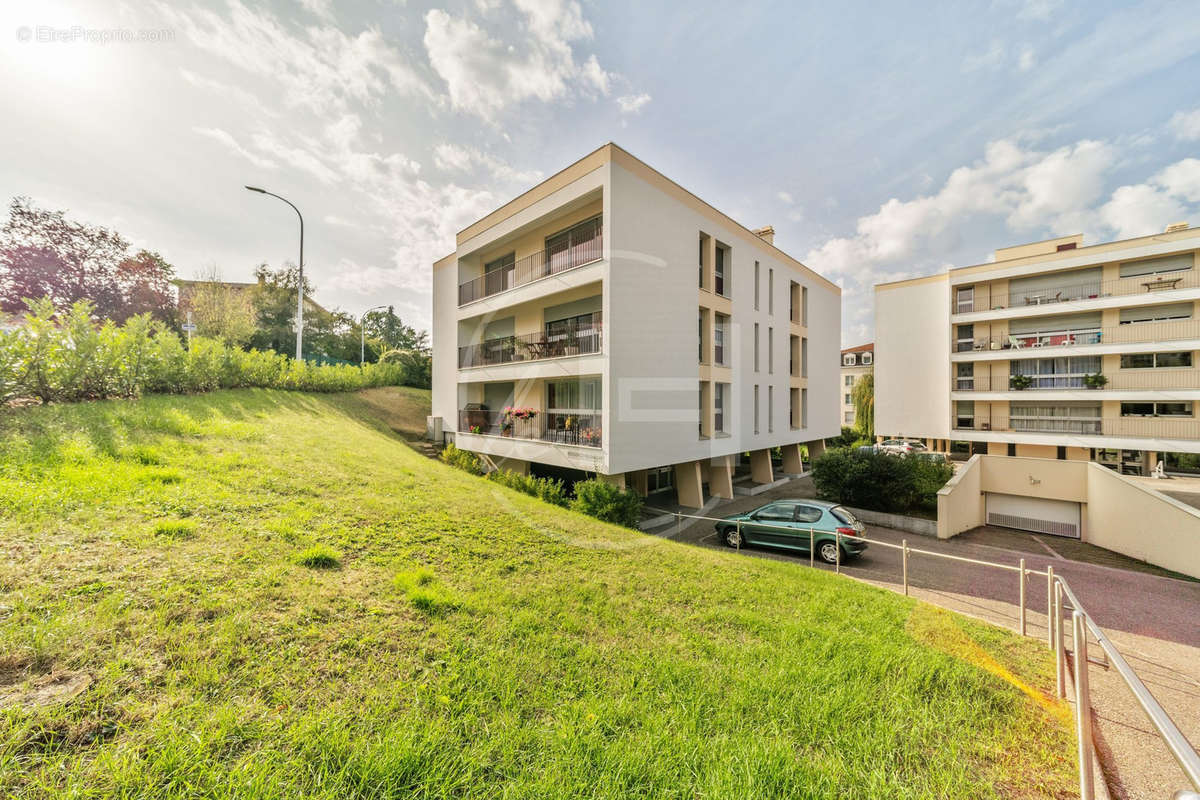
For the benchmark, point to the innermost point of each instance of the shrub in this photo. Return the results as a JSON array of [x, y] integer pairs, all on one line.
[[879, 481], [845, 438], [463, 459], [319, 556], [606, 502], [546, 489]]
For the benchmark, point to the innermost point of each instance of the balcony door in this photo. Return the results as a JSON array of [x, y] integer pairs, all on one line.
[[576, 245]]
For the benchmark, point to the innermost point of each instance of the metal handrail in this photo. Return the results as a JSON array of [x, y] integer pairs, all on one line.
[[532, 267], [1148, 378], [1163, 427], [1028, 344], [575, 340], [1057, 589], [1087, 290]]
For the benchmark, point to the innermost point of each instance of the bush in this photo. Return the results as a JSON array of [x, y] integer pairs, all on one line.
[[879, 481], [319, 556], [606, 502], [463, 459], [547, 489], [845, 438], [67, 356]]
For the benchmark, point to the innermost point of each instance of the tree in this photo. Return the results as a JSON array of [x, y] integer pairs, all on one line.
[[274, 301], [44, 254], [863, 397], [389, 331], [144, 282], [220, 311]]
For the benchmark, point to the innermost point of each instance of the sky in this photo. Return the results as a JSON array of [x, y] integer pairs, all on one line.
[[880, 141]]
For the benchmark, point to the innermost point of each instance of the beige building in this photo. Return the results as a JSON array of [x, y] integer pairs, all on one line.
[[1054, 350], [565, 324], [856, 362]]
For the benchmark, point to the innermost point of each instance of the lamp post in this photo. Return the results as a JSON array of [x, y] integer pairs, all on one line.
[[362, 331], [300, 281]]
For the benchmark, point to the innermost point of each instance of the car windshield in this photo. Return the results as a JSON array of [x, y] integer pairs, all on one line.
[[843, 515]]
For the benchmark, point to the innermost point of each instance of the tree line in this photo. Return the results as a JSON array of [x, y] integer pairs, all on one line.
[[46, 256]]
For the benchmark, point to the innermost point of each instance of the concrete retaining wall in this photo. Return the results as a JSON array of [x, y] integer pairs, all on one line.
[[923, 527]]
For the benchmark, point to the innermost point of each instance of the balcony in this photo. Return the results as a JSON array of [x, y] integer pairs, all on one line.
[[1131, 333], [1075, 292], [582, 430], [584, 247], [1121, 380], [1120, 427], [582, 340]]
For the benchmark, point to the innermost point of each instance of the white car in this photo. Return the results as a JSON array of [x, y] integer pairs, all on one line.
[[901, 447]]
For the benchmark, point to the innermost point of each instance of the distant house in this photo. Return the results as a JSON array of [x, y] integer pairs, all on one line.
[[856, 362]]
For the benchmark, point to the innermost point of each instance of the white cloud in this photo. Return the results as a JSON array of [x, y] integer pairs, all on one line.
[[485, 74], [226, 138], [1140, 210], [1026, 59], [1037, 9], [1186, 125], [992, 58], [223, 90], [298, 157], [321, 9], [633, 103], [458, 158], [319, 67], [1182, 179]]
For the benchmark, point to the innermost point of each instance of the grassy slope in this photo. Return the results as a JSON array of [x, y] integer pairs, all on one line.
[[524, 651]]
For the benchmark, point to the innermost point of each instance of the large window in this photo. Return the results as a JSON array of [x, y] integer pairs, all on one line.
[[720, 334], [576, 245], [964, 414], [1055, 418], [720, 397], [1157, 266], [1156, 409], [1153, 360], [721, 270], [964, 378], [964, 299], [964, 338], [574, 396], [1162, 313], [1057, 373]]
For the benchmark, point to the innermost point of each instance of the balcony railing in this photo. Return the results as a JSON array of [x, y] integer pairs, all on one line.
[[1149, 379], [1132, 333], [1130, 427], [1074, 292], [574, 341], [531, 268], [558, 428]]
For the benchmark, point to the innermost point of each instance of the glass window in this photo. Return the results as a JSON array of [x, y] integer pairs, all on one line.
[[807, 514], [964, 299], [1137, 361], [1157, 266], [722, 323], [965, 338], [720, 391], [849, 380], [1160, 313], [1172, 409], [1182, 359], [1137, 409], [503, 262], [867, 358], [720, 270], [776, 512], [756, 271]]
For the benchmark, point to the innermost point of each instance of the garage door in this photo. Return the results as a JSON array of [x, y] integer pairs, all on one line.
[[1036, 514]]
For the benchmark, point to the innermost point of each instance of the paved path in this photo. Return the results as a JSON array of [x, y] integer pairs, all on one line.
[[1153, 620]]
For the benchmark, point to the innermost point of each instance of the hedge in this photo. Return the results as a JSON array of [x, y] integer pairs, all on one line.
[[879, 481]]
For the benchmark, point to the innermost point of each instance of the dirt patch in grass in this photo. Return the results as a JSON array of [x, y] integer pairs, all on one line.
[[60, 686]]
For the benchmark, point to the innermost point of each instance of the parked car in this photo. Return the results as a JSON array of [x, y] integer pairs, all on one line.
[[786, 523], [940, 458], [901, 447], [867, 448]]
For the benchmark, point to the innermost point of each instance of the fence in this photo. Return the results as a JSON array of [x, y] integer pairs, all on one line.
[[1057, 591]]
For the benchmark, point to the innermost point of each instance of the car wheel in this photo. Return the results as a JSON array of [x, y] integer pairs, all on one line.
[[733, 537], [828, 552]]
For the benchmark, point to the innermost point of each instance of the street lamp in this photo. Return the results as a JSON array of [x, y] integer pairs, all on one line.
[[300, 282], [362, 339]]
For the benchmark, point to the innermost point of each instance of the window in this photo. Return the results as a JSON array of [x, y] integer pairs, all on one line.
[[964, 377], [848, 360], [770, 409], [1161, 313], [1012, 449], [704, 336], [700, 339], [720, 273], [1157, 266], [1156, 409], [1067, 246], [756, 347], [807, 514], [849, 380], [703, 261], [964, 338], [573, 408], [867, 358], [849, 417], [720, 393], [804, 306], [756, 408], [576, 245], [1152, 360], [701, 394], [1062, 453], [964, 299], [964, 414], [661, 479], [771, 291], [503, 262], [1057, 373], [847, 401], [1055, 418], [770, 351], [776, 512], [756, 270], [720, 331], [804, 357], [804, 408]]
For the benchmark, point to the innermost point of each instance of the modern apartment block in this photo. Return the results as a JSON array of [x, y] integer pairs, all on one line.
[[608, 321], [856, 362], [1054, 350]]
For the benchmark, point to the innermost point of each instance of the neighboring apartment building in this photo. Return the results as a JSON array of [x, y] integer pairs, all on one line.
[[566, 322], [1054, 350], [856, 362]]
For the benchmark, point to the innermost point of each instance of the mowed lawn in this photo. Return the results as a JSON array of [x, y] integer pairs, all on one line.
[[269, 594]]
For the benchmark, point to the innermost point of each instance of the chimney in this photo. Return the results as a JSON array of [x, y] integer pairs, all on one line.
[[1176, 226], [766, 233]]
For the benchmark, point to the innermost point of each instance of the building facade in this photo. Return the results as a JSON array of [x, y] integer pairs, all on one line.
[[856, 362], [607, 321], [1054, 350]]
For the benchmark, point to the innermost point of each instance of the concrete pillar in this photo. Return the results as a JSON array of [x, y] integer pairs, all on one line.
[[720, 477], [637, 481], [704, 472], [687, 484], [517, 465], [816, 448], [617, 480], [760, 466], [792, 463]]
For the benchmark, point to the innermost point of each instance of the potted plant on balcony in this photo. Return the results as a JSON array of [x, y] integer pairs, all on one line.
[[513, 413], [1019, 383], [1096, 381]]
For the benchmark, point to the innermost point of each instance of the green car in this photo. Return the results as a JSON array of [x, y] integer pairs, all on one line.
[[786, 524]]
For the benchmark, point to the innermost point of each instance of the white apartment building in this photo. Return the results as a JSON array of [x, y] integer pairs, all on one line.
[[608, 321], [1054, 350], [856, 362]]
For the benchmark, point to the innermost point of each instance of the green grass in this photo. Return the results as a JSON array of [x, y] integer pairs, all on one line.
[[474, 642]]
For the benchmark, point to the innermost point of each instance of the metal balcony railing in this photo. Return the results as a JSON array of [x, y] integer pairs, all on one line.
[[1131, 333], [558, 428], [574, 341], [1149, 379], [1075, 292], [1130, 427], [532, 267]]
